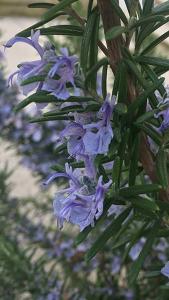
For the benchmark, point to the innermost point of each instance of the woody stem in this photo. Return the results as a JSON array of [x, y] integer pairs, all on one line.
[[110, 19]]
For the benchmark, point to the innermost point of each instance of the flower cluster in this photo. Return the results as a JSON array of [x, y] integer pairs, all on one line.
[[86, 139], [82, 202], [58, 249], [55, 71], [88, 134]]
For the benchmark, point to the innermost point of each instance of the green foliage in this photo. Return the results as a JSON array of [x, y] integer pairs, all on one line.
[[110, 231], [115, 32], [56, 8], [71, 30], [87, 40], [119, 11], [143, 254], [19, 265]]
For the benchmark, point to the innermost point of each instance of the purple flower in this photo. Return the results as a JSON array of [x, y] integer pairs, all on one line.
[[90, 168], [28, 69], [165, 123], [99, 135], [64, 68], [129, 295], [86, 139], [55, 295], [136, 249], [164, 106], [49, 65], [160, 248], [91, 138], [81, 203], [32, 42], [74, 133], [165, 270], [115, 265]]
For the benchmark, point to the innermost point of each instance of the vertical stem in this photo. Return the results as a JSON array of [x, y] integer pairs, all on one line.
[[82, 22], [110, 19]]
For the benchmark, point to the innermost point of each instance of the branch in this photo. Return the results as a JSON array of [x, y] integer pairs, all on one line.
[[110, 19], [82, 22]]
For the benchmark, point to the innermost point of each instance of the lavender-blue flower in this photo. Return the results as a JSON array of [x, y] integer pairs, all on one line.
[[49, 65], [80, 204]]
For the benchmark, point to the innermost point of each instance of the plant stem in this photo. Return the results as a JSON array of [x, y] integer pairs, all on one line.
[[114, 46], [82, 22], [110, 19]]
